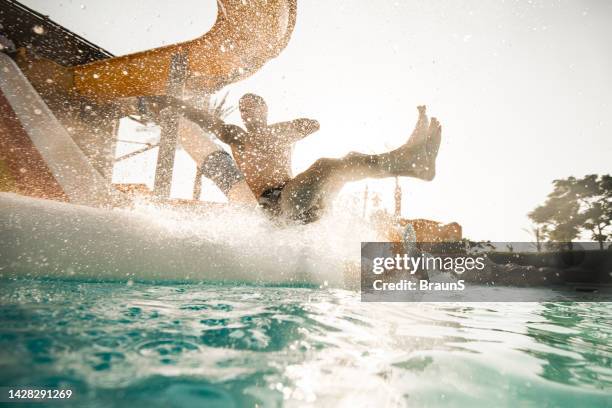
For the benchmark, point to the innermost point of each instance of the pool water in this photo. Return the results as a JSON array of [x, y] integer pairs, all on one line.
[[196, 345]]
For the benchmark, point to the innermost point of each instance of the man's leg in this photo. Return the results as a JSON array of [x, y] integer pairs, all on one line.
[[213, 163], [306, 195]]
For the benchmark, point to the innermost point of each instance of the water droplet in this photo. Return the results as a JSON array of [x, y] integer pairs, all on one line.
[[37, 111]]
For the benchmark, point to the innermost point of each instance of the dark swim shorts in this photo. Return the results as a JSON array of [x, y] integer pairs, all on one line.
[[270, 200]]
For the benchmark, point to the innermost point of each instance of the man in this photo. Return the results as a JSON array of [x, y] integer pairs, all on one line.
[[263, 154]]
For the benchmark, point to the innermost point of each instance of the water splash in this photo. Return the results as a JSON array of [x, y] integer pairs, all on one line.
[[46, 239]]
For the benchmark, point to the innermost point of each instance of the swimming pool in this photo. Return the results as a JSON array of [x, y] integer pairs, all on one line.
[[186, 345]]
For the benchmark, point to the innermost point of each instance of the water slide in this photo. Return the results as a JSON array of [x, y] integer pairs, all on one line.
[[244, 37], [33, 141]]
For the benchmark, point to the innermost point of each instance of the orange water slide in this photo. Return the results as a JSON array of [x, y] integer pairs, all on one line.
[[246, 34]]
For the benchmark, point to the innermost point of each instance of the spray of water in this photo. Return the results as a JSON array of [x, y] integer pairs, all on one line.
[[152, 242]]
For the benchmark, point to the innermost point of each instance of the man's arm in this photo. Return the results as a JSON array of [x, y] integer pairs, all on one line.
[[227, 133], [230, 134], [294, 130]]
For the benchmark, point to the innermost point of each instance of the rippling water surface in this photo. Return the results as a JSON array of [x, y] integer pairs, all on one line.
[[145, 345]]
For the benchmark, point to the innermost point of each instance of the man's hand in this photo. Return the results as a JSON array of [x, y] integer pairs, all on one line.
[[305, 127], [295, 130]]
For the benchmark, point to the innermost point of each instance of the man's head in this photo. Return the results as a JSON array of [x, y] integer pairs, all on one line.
[[254, 111]]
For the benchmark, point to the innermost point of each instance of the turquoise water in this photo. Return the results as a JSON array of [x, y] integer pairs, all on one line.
[[193, 345]]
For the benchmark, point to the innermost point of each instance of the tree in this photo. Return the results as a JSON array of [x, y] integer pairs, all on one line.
[[559, 214], [595, 197], [597, 220], [575, 205]]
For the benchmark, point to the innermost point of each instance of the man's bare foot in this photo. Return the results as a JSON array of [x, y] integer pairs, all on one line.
[[417, 158], [419, 134], [432, 146]]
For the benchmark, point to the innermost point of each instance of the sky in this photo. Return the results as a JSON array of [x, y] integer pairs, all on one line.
[[522, 88]]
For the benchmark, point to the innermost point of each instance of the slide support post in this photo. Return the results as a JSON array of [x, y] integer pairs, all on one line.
[[169, 128]]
